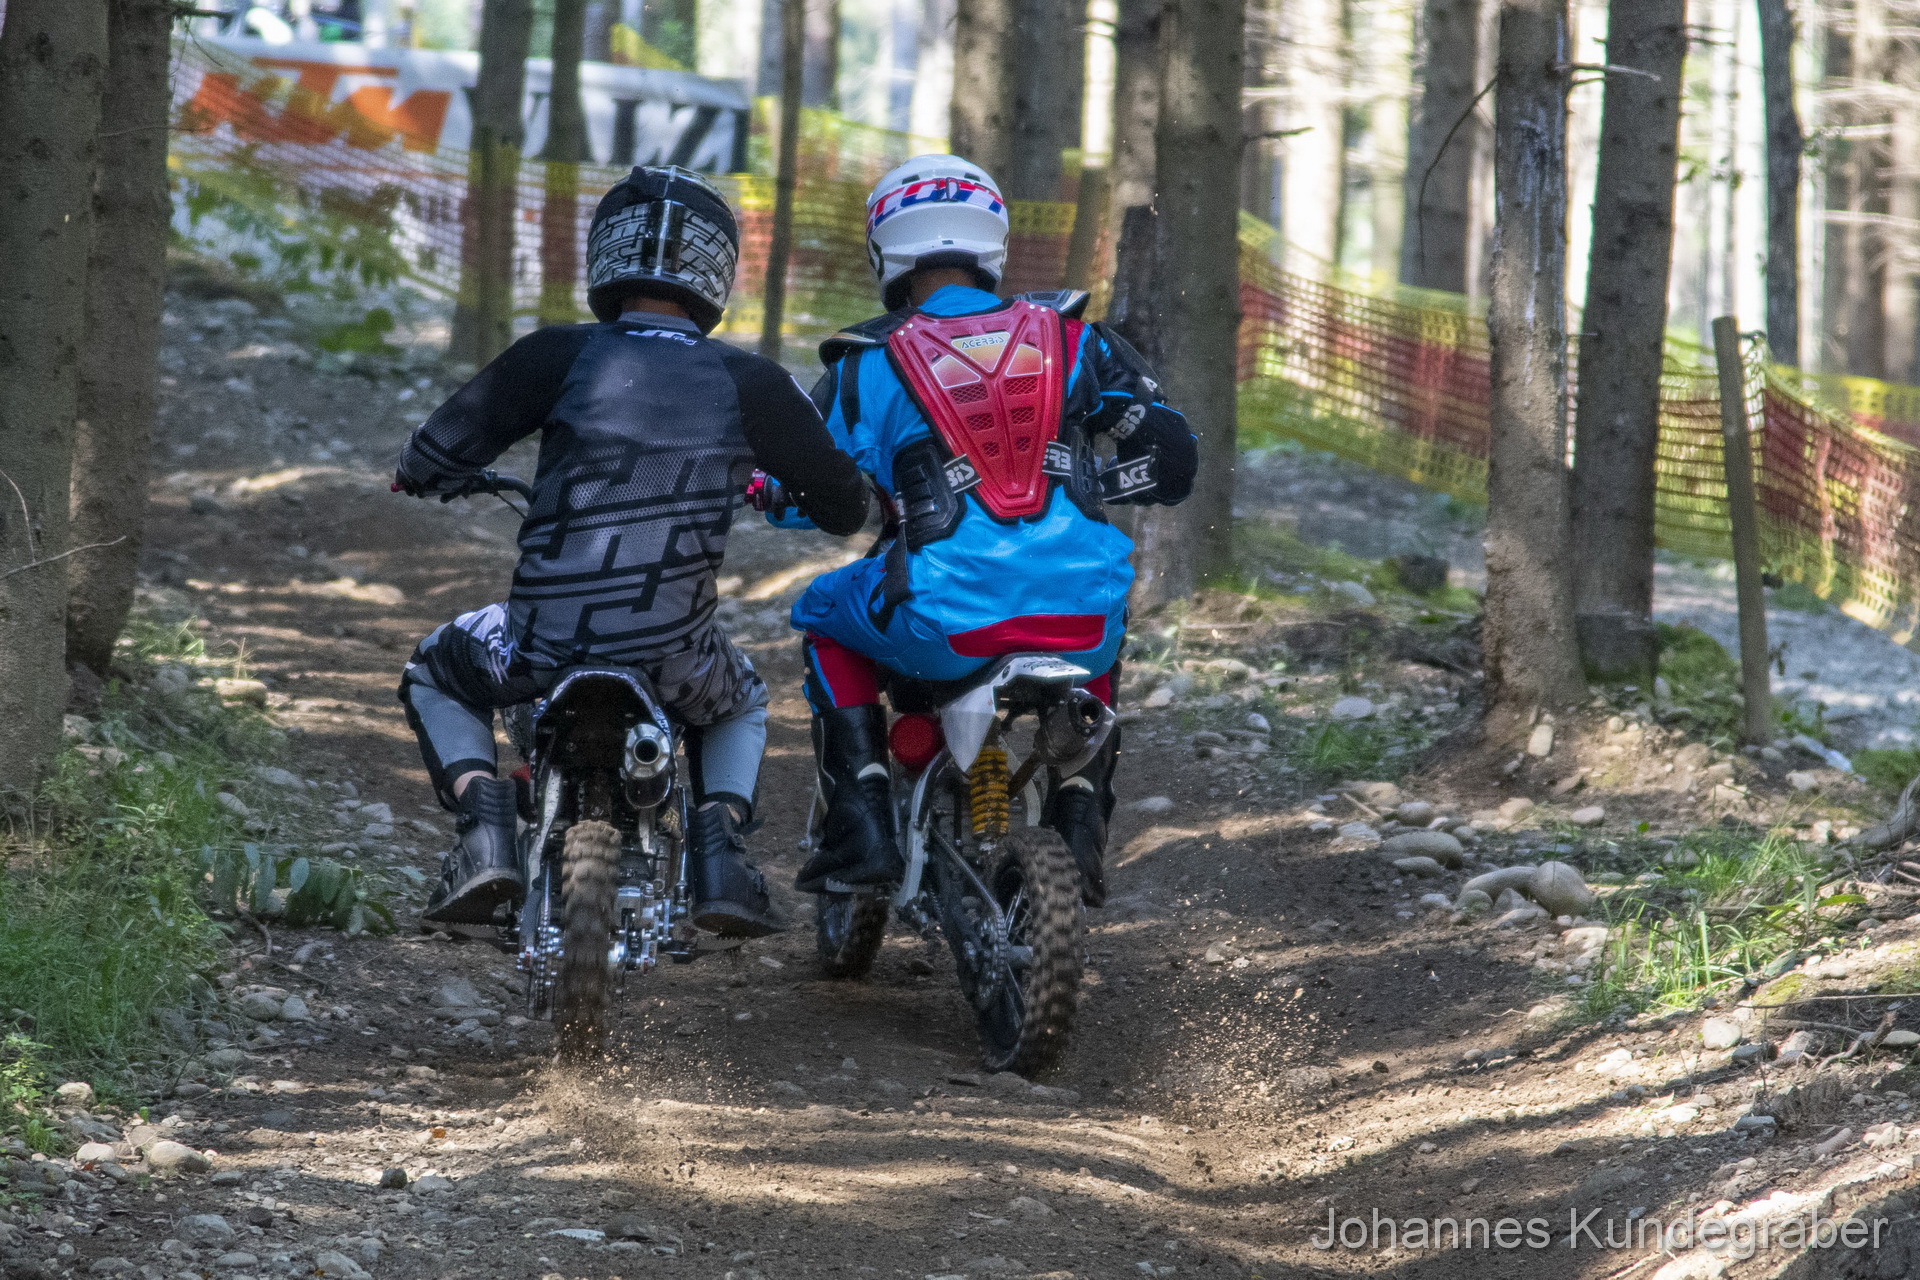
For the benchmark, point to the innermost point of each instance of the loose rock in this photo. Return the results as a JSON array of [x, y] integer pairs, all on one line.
[[1560, 889], [1497, 881], [333, 1263], [1591, 816], [1438, 845], [249, 692], [1540, 741], [1351, 707], [261, 1006], [1721, 1033], [457, 993], [167, 1156], [1419, 867], [1473, 902], [205, 1229], [75, 1093]]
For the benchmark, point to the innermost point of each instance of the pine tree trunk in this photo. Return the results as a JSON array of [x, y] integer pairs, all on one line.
[[1313, 169], [1136, 103], [1532, 660], [565, 151], [1784, 145], [1196, 281], [483, 311], [1864, 263], [1048, 51], [597, 39], [671, 26], [981, 128], [1439, 176], [1903, 212], [126, 288], [1264, 110], [53, 67], [1617, 427], [1390, 60], [820, 83], [933, 69]]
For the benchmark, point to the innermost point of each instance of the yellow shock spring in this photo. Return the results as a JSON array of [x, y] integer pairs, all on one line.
[[987, 792]]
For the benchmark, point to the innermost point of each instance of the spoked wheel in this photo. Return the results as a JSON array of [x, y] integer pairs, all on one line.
[[590, 866], [1026, 1010], [848, 930]]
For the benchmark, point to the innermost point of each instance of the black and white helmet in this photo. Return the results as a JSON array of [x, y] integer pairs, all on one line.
[[668, 230]]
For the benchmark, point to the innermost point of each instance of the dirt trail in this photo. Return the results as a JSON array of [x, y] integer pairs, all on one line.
[[1268, 1030]]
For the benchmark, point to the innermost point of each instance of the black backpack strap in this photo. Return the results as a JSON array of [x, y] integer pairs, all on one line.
[[850, 388]]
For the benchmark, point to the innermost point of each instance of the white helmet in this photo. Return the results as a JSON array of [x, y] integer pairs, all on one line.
[[935, 211]]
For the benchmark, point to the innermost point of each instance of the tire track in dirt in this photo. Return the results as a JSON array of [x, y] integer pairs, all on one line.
[[755, 1120]]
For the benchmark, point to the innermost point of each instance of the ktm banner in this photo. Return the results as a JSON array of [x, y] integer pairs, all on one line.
[[315, 94]]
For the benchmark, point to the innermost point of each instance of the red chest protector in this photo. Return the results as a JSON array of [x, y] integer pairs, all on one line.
[[993, 386]]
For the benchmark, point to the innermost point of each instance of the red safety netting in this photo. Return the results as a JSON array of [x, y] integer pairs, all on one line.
[[1395, 379]]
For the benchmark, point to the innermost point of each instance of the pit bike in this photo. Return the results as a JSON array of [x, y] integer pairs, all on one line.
[[602, 839], [982, 871]]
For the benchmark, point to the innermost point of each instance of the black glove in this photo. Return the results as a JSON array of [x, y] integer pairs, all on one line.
[[1163, 431]]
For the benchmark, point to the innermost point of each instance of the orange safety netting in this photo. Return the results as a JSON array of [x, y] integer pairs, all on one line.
[[1396, 379]]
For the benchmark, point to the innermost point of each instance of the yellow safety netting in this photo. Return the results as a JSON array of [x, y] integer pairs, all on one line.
[[1393, 378]]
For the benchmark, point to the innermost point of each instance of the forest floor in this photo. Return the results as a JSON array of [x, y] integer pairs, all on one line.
[[1276, 1030]]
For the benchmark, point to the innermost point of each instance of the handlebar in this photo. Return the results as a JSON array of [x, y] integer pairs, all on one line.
[[764, 493], [484, 482]]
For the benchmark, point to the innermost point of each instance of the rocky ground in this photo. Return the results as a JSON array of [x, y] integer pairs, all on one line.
[[1868, 686], [1295, 1007]]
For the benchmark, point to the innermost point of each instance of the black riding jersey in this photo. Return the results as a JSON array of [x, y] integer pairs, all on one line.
[[649, 432]]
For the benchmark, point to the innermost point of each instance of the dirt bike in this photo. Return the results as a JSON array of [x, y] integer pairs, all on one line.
[[602, 839], [981, 870]]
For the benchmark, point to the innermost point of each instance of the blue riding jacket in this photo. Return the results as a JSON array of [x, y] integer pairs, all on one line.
[[987, 571]]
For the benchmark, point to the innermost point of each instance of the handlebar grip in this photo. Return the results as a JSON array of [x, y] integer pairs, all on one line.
[[766, 494]]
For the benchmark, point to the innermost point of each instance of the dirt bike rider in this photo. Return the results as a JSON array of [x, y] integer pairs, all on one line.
[[979, 414], [649, 431]]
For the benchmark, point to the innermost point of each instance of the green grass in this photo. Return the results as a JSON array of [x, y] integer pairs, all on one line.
[[102, 930], [1888, 770], [1261, 548], [1337, 750], [1703, 681], [1729, 905]]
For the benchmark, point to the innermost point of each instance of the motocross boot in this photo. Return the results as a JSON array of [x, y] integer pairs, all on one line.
[[481, 872], [729, 893], [1080, 806], [859, 840]]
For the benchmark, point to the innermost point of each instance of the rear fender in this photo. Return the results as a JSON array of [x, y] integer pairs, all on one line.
[[968, 719], [584, 721]]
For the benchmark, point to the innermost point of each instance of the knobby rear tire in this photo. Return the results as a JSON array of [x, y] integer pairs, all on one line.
[[848, 931], [590, 867], [1028, 1035]]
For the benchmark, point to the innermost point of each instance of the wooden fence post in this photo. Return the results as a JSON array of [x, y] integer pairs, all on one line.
[[1744, 514]]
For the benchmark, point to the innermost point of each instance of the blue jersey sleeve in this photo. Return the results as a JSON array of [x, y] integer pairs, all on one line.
[[831, 396]]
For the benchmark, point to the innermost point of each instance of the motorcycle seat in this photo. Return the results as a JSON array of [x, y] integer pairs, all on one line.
[[1047, 671]]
